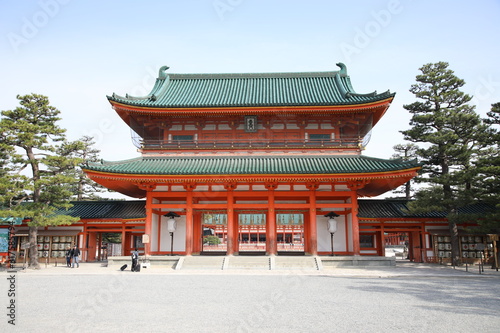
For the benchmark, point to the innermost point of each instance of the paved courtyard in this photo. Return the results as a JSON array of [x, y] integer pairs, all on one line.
[[408, 298]]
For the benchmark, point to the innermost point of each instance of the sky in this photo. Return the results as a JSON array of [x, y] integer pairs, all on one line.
[[77, 52]]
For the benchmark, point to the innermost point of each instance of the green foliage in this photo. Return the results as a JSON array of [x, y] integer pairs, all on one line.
[[405, 152], [211, 240], [487, 181], [450, 132], [449, 129], [36, 176], [85, 188], [110, 237]]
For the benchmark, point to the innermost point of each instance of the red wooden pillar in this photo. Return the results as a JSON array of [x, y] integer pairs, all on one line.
[[313, 231], [84, 246], [189, 218], [271, 246], [382, 239], [149, 221], [355, 224], [126, 243], [417, 246], [231, 225], [158, 233], [305, 232], [236, 233], [91, 246], [123, 239], [198, 233]]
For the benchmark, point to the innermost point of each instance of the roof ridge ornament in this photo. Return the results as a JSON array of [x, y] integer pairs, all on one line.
[[343, 68], [162, 75]]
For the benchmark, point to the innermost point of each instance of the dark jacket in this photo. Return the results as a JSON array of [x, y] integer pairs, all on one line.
[[75, 252], [135, 255]]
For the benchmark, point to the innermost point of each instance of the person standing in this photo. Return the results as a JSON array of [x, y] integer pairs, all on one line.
[[68, 256], [135, 258], [75, 253]]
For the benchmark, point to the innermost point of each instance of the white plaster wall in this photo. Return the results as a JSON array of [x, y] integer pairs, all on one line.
[[179, 235], [324, 237], [161, 189], [178, 188], [348, 219], [201, 188], [154, 234]]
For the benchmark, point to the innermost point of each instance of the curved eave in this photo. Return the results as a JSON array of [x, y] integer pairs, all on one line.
[[244, 109], [378, 109], [135, 185]]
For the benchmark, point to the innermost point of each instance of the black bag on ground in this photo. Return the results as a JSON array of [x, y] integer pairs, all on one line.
[[123, 267], [137, 267]]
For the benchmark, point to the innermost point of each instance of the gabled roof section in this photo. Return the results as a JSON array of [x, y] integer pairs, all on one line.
[[106, 209], [251, 90], [368, 208], [251, 165], [398, 208]]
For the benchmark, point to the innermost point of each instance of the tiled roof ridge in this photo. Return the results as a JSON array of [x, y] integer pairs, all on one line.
[[270, 75], [249, 157], [105, 162], [255, 165], [82, 202], [319, 88]]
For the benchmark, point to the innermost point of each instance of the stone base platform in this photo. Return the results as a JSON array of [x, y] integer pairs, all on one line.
[[357, 261], [116, 262], [245, 262]]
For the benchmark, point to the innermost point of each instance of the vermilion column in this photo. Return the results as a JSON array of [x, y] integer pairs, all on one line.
[[149, 221], [231, 241], [382, 239], [313, 232], [271, 245], [355, 224], [123, 239], [197, 233], [189, 219], [84, 245]]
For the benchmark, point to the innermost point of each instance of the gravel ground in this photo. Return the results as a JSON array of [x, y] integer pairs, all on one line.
[[115, 301]]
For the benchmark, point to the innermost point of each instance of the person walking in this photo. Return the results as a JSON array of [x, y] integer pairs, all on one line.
[[75, 253]]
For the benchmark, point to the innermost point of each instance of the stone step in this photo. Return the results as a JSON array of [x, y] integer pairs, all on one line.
[[203, 262], [250, 262], [295, 262]]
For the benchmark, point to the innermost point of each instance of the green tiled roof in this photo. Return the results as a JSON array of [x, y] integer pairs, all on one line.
[[251, 90], [368, 208], [106, 209], [251, 165], [399, 209]]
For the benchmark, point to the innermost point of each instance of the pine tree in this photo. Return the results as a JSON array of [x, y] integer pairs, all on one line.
[[405, 152], [38, 160], [488, 171], [448, 129], [85, 188]]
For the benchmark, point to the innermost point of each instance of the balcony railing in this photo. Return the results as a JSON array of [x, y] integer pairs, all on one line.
[[248, 144]]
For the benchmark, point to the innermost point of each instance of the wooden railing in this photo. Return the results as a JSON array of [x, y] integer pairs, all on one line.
[[248, 144]]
